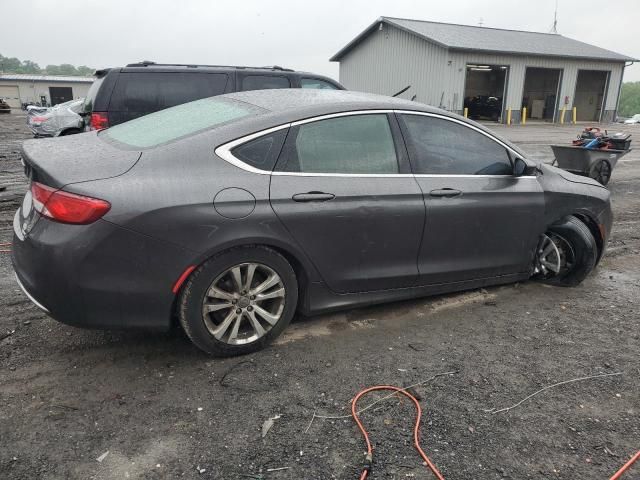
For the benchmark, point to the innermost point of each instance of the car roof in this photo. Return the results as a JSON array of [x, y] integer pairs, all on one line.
[[285, 99], [292, 104]]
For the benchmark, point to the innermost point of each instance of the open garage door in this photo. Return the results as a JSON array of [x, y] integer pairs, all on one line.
[[590, 94], [540, 94], [60, 95], [484, 91], [11, 95]]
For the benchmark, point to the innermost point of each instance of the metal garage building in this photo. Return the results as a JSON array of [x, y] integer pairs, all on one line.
[[453, 66], [16, 89]]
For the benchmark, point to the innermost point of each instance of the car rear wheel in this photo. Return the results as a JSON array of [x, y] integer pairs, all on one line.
[[239, 301], [566, 253]]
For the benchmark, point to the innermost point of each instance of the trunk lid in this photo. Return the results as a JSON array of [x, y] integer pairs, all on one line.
[[75, 158], [64, 161]]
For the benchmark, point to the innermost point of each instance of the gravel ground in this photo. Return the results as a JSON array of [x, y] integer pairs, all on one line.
[[162, 409]]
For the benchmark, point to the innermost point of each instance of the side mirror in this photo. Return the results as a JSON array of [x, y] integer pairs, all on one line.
[[520, 167]]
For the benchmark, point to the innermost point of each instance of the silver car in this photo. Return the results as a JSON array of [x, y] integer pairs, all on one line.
[[62, 119]]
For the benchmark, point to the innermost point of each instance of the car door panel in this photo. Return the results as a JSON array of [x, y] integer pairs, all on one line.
[[488, 229], [362, 230], [477, 225], [365, 237]]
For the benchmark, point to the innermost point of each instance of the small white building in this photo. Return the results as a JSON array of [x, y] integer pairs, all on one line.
[[16, 89], [457, 66]]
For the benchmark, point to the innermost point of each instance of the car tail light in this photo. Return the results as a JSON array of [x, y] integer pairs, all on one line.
[[67, 207], [39, 119], [99, 121]]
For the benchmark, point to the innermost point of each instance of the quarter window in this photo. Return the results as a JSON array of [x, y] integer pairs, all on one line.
[[264, 82], [440, 146], [358, 144], [262, 152], [317, 84]]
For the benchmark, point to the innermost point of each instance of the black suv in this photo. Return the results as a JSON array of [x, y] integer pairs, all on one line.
[[121, 94]]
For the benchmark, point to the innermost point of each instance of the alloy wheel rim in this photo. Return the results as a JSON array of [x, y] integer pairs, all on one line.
[[243, 303], [555, 255]]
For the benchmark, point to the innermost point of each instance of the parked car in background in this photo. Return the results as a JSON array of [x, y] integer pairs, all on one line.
[[4, 106], [122, 94], [234, 212], [632, 120], [62, 119]]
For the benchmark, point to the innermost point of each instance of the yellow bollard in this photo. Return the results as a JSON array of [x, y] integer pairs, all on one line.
[[466, 112], [574, 115], [562, 112], [524, 115], [508, 116]]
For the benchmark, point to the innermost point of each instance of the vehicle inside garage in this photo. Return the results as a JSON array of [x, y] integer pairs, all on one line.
[[540, 94], [484, 91], [590, 94]]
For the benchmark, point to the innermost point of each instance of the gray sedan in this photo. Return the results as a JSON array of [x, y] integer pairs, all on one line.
[[233, 213]]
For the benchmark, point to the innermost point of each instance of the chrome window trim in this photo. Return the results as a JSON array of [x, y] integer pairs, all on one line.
[[460, 122], [224, 150]]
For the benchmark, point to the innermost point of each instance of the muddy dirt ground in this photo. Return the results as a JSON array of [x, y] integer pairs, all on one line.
[[162, 409]]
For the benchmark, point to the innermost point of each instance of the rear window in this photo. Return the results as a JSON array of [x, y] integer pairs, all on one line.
[[91, 95], [150, 92], [179, 121]]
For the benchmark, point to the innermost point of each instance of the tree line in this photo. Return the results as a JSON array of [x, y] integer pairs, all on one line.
[[629, 99], [15, 65]]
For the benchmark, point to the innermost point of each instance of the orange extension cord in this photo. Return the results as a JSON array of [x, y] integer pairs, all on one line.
[[416, 429], [626, 466], [416, 434]]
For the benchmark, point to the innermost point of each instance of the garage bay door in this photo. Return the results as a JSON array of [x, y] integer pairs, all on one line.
[[10, 95]]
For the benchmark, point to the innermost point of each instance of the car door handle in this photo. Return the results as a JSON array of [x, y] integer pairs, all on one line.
[[445, 192], [313, 197]]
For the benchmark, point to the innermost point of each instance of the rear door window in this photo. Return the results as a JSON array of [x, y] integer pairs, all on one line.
[[264, 82], [150, 92], [358, 144], [317, 84]]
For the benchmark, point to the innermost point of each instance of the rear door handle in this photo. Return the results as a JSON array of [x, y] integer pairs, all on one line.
[[313, 197], [445, 192]]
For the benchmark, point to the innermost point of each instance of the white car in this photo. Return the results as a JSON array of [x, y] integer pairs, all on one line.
[[634, 119]]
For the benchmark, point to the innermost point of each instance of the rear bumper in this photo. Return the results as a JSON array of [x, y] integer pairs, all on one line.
[[98, 275], [29, 296]]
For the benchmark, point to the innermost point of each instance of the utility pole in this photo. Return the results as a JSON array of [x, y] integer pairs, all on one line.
[[554, 29]]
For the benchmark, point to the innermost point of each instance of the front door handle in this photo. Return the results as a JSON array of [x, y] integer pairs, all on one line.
[[313, 197], [445, 192]]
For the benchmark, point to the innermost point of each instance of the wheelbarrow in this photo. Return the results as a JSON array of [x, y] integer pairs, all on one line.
[[595, 163]]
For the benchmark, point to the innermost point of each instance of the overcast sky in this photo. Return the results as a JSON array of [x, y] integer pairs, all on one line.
[[293, 33]]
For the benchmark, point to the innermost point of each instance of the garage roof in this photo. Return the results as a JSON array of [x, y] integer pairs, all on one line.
[[495, 40], [20, 77]]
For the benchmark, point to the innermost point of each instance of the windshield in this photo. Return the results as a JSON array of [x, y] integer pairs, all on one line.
[[179, 121]]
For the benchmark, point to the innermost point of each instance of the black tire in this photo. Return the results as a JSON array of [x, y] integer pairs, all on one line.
[[601, 172], [71, 131], [194, 290], [584, 249]]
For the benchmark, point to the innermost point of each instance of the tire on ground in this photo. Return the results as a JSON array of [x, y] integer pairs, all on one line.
[[584, 248], [192, 296]]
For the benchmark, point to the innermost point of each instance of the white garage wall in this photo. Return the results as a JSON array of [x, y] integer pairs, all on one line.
[[388, 60]]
